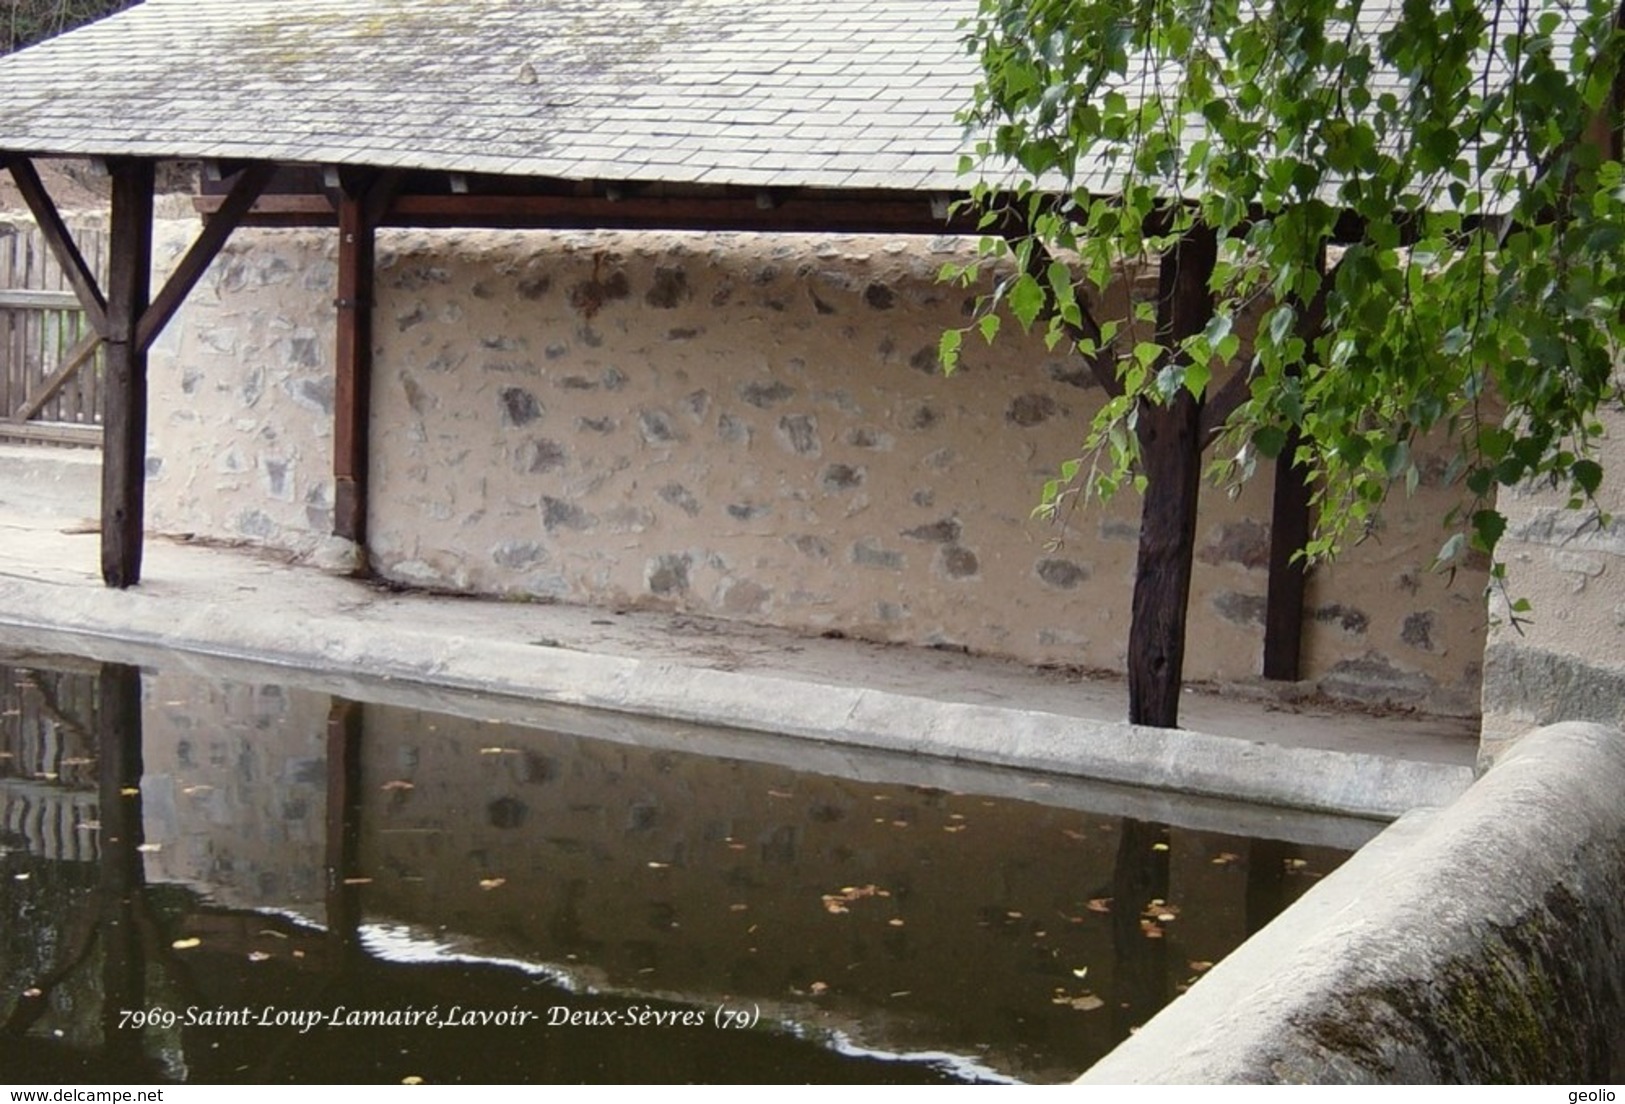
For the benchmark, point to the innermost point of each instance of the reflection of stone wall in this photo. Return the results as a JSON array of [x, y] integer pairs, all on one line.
[[1565, 661], [234, 795], [664, 872], [747, 426]]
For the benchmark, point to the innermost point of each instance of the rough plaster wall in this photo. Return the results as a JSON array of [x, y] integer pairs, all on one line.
[[744, 426], [1565, 660]]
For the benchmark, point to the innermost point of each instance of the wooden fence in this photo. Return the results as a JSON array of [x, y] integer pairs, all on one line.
[[50, 363], [48, 755]]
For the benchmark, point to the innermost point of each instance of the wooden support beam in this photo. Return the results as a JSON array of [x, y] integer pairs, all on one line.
[[124, 442], [79, 275], [1289, 532], [1171, 459], [353, 365], [250, 183]]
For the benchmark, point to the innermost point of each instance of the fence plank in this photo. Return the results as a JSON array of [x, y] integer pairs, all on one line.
[[37, 299]]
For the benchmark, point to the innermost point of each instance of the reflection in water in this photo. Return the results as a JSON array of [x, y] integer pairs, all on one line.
[[279, 885]]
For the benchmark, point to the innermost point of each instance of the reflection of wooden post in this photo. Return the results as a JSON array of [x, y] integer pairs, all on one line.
[[1139, 877], [118, 724], [344, 730], [1266, 882]]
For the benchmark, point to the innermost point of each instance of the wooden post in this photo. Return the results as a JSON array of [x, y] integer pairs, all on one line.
[[124, 440], [1171, 444], [1289, 532], [351, 404]]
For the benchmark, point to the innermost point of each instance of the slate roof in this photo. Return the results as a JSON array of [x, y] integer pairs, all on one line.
[[832, 94]]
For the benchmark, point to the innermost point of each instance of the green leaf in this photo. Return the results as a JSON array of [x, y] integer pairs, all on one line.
[[1026, 300], [989, 325], [948, 350]]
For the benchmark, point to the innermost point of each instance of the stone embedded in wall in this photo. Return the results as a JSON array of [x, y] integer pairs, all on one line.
[[765, 396], [657, 427], [627, 519], [278, 482], [1245, 542], [670, 288], [519, 554], [924, 417], [591, 296], [596, 425], [748, 511], [925, 498], [577, 383], [1116, 529], [1031, 409], [927, 359], [1374, 679], [1350, 620], [531, 288], [841, 477], [813, 547], [741, 597], [866, 553], [539, 454], [1073, 373], [681, 497], [667, 575], [891, 612], [696, 403], [1240, 609], [1061, 574], [945, 531], [1418, 630], [318, 508], [958, 562], [519, 407], [254, 523], [799, 434], [418, 398], [879, 297], [312, 394], [558, 514], [866, 437], [732, 430], [941, 459]]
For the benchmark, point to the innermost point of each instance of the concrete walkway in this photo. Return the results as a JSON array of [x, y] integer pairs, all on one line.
[[245, 604]]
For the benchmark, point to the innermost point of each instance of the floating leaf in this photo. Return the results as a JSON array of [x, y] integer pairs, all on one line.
[[818, 988], [33, 994], [1201, 966], [412, 1080], [149, 847], [492, 883], [257, 956], [1225, 858], [130, 791], [187, 944], [1099, 904], [653, 865], [1081, 972], [895, 921], [1159, 847], [398, 784], [358, 881]]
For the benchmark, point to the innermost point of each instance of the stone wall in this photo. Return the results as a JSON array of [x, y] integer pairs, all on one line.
[[1562, 660], [750, 427]]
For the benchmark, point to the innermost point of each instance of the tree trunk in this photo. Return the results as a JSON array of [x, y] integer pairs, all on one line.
[[1171, 459]]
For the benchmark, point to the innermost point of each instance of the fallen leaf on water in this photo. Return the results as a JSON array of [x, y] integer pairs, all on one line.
[[895, 922], [398, 784], [1159, 847], [413, 1080], [492, 883], [818, 988], [89, 825], [736, 847], [257, 956], [299, 954], [1070, 834], [33, 994], [130, 791], [1013, 914], [1099, 904], [358, 881], [1225, 858], [271, 933], [954, 827], [77, 761], [902, 993], [1201, 966], [190, 790], [187, 944], [499, 751], [1296, 864], [737, 908], [956, 816], [1086, 1003], [779, 793], [20, 877], [149, 847], [658, 865], [1081, 972]]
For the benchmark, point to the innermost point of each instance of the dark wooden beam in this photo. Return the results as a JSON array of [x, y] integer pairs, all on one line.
[[80, 277], [902, 213], [124, 440], [1171, 460], [250, 183], [353, 365], [1289, 533]]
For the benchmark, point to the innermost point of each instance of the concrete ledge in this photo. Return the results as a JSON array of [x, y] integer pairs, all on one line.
[[1298, 777], [1484, 942]]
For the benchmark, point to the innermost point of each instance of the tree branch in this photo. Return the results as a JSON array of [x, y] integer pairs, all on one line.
[[1103, 361]]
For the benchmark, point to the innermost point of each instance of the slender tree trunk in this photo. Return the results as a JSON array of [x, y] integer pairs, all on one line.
[[1171, 457]]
